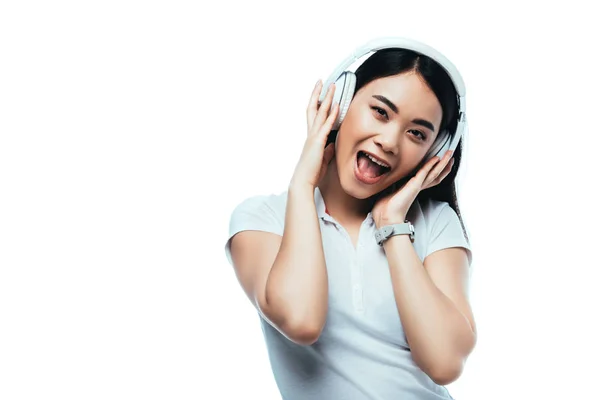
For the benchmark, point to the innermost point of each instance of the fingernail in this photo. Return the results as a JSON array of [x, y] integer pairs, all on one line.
[[318, 83]]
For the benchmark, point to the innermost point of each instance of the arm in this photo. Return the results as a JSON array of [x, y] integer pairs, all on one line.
[[285, 277], [432, 301]]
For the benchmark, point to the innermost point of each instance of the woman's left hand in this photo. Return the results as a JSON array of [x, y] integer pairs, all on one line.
[[392, 208]]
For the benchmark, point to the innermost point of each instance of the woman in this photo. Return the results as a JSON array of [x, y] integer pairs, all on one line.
[[346, 317]]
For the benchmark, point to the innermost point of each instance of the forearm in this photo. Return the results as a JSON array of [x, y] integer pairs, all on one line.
[[296, 289], [440, 336]]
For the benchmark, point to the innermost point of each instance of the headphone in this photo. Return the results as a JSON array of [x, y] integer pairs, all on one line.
[[345, 83]]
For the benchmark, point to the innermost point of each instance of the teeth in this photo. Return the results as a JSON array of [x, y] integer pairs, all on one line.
[[377, 161]]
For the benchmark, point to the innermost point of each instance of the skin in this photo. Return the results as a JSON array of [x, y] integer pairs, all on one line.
[[285, 276], [373, 126], [431, 296]]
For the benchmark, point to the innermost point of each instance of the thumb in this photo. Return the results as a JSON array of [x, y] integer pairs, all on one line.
[[328, 153]]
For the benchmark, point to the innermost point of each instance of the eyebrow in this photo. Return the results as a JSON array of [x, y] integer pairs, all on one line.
[[391, 105]]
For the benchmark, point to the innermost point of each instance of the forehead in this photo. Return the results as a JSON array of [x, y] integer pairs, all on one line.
[[409, 92]]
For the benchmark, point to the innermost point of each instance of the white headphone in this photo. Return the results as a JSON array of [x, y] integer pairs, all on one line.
[[345, 83]]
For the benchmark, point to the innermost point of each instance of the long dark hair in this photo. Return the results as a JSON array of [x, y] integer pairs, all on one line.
[[390, 62]]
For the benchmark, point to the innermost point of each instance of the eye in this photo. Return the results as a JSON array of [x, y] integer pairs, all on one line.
[[380, 111], [420, 134], [416, 133]]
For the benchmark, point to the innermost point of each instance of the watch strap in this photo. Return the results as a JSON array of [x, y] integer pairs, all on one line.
[[385, 232]]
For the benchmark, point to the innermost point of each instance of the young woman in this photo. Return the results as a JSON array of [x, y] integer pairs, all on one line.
[[348, 310]]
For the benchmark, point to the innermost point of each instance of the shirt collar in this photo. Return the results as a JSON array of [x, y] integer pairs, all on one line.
[[322, 209]]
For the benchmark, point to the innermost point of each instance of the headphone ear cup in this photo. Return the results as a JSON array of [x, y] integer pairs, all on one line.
[[439, 147], [445, 142], [344, 91]]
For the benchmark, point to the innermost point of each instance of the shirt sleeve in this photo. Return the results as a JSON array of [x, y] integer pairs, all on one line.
[[253, 214], [446, 231]]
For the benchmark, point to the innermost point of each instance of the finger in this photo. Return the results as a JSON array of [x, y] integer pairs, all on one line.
[[311, 110], [439, 167], [324, 107], [326, 128], [437, 180], [442, 175], [423, 173]]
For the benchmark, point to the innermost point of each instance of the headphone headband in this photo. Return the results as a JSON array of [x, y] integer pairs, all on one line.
[[409, 44], [346, 82]]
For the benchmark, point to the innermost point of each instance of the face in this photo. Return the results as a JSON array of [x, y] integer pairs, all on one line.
[[394, 120]]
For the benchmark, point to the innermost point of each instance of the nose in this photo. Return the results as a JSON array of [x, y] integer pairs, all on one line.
[[388, 142]]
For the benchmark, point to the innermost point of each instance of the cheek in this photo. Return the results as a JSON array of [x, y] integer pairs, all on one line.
[[354, 129], [343, 147], [410, 159], [361, 120]]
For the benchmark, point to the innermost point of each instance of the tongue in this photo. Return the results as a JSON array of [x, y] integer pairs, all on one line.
[[367, 167]]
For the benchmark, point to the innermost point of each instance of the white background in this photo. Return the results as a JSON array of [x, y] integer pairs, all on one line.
[[130, 130]]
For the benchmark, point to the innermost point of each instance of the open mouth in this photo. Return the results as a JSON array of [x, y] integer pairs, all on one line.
[[368, 169]]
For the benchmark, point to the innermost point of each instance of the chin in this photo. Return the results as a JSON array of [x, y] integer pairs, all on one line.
[[353, 187], [357, 193]]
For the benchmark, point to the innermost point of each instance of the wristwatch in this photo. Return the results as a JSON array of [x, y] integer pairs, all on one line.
[[385, 232]]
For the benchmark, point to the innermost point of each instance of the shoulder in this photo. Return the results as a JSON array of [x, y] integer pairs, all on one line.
[[429, 212], [443, 226], [262, 212], [273, 203], [433, 210], [259, 212]]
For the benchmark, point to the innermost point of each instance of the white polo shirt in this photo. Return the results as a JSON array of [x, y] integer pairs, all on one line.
[[362, 352]]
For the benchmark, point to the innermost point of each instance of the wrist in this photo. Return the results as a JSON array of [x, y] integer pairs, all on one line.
[[385, 220], [388, 231], [300, 185], [301, 188], [394, 239]]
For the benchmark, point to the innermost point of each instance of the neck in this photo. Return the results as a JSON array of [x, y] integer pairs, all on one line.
[[340, 205]]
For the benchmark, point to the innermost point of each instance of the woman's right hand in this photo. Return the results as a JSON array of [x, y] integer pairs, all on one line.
[[315, 157]]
